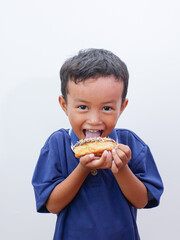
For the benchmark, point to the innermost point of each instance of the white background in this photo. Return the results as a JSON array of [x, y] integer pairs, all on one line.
[[36, 37]]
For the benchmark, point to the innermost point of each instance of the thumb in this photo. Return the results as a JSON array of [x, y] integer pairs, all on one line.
[[87, 158]]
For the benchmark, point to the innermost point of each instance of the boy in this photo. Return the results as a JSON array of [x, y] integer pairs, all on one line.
[[95, 197]]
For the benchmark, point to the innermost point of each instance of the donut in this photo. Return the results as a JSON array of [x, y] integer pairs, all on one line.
[[93, 145]]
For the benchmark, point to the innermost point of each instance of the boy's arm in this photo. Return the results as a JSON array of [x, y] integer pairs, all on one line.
[[65, 191], [133, 189]]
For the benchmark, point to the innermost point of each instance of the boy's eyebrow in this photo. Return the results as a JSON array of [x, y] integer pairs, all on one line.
[[80, 100], [112, 101]]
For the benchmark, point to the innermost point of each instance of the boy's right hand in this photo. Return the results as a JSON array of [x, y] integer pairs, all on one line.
[[91, 162]]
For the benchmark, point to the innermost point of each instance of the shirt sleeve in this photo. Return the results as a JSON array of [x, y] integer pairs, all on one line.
[[47, 174], [145, 169]]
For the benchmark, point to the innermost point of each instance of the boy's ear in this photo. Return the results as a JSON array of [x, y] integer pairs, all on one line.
[[123, 106], [63, 104]]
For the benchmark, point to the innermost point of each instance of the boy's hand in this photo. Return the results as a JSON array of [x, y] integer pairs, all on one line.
[[92, 162], [121, 156]]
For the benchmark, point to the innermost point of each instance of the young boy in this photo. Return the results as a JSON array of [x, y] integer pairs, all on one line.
[[95, 197]]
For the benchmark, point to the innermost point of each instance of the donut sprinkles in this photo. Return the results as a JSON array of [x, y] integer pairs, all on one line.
[[93, 145], [91, 140]]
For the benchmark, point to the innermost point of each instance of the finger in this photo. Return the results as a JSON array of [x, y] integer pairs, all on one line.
[[104, 159], [104, 154], [108, 161], [104, 162], [94, 162], [125, 149], [87, 158], [114, 168], [117, 159], [122, 156]]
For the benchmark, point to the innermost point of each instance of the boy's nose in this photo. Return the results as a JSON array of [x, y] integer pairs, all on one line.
[[95, 118]]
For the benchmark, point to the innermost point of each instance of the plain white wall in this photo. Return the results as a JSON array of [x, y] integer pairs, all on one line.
[[36, 38]]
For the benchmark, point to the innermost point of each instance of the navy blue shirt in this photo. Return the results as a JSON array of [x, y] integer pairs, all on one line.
[[99, 210]]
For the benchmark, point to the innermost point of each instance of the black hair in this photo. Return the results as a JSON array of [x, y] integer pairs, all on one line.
[[93, 63]]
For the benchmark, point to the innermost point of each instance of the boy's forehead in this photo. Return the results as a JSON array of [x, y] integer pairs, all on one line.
[[108, 86]]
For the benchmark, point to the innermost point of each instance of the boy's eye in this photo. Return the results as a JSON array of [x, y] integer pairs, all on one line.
[[82, 107], [106, 108]]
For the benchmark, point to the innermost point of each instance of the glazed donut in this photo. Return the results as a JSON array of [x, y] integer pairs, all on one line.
[[93, 145]]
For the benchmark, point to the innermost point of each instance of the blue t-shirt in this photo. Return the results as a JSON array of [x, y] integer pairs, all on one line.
[[99, 210]]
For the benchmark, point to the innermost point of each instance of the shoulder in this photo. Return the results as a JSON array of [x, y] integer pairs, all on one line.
[[57, 138], [135, 143], [127, 136]]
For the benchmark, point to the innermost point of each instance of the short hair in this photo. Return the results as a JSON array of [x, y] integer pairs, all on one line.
[[93, 63]]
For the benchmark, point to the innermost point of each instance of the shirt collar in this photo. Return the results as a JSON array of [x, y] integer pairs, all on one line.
[[74, 138]]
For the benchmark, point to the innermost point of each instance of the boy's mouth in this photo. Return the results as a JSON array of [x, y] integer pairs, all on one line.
[[89, 133]]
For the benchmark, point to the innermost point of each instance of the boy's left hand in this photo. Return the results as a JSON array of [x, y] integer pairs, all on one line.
[[121, 156]]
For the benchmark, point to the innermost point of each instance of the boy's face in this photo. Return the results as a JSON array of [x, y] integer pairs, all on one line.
[[94, 106]]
